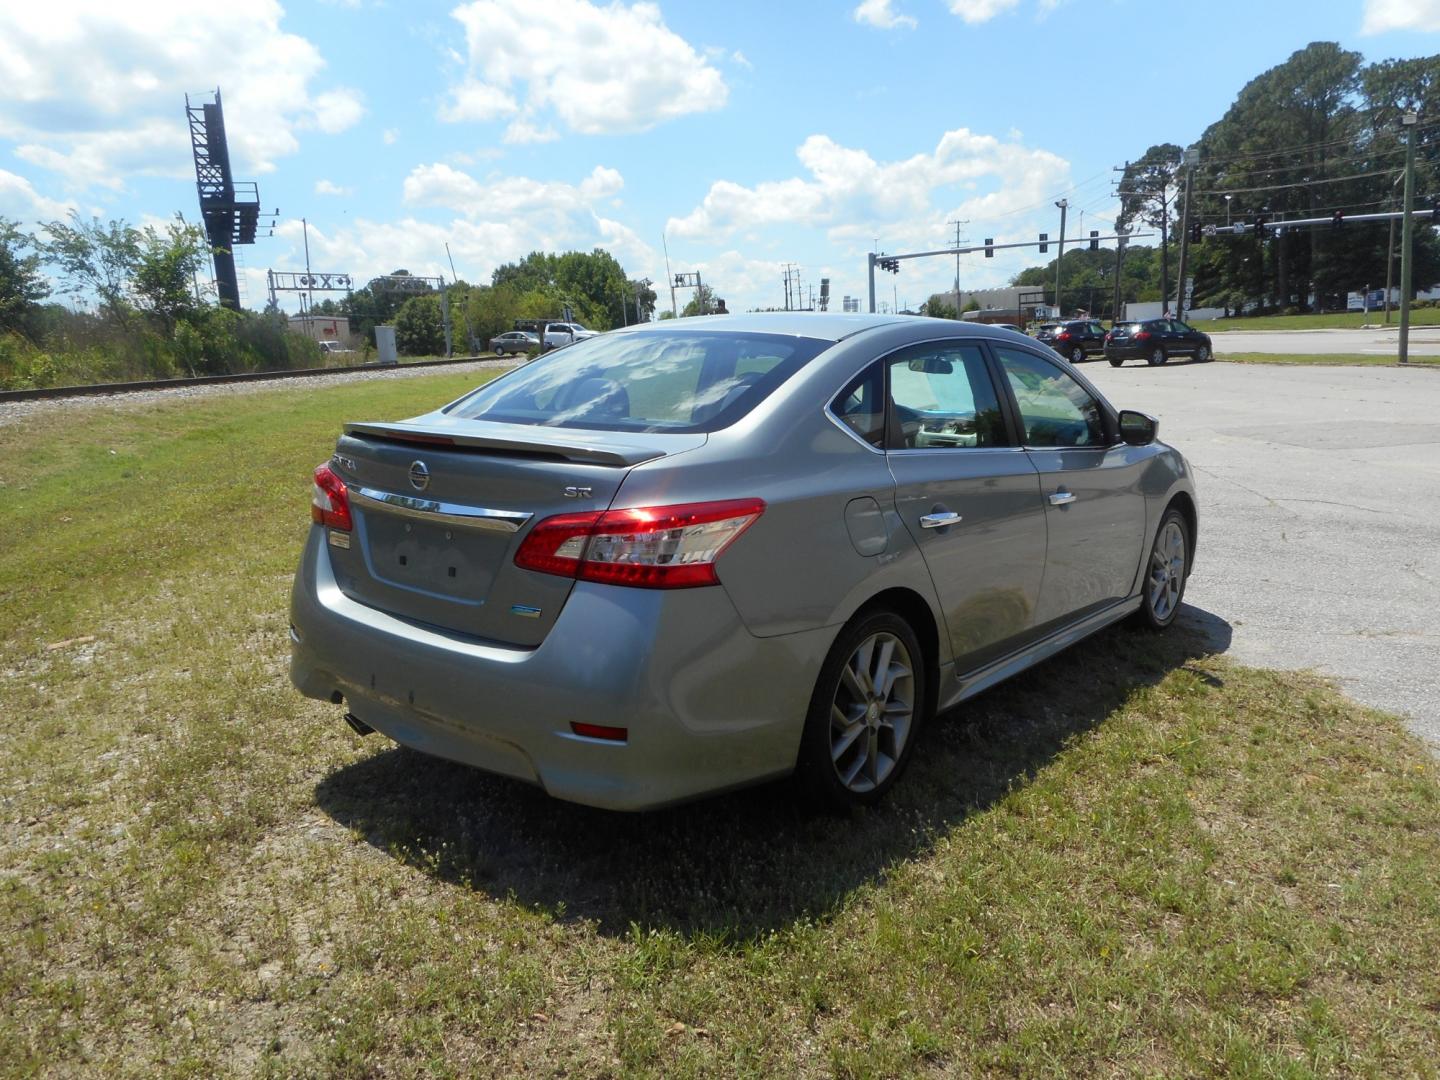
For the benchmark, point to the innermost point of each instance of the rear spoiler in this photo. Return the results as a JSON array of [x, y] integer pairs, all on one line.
[[545, 442]]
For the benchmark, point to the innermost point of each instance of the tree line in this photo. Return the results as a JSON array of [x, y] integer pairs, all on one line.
[[1315, 135], [138, 310], [592, 286]]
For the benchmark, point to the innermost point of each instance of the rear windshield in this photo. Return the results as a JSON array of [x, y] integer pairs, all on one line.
[[668, 381], [1130, 327]]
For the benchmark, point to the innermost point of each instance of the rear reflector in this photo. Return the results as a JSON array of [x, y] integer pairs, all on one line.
[[657, 547], [329, 501], [600, 731]]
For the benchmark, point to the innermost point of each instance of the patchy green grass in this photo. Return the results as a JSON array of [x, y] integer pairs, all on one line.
[[1322, 359], [1351, 320], [1139, 859]]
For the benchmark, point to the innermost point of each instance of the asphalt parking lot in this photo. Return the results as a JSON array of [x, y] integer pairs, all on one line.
[[1320, 515]]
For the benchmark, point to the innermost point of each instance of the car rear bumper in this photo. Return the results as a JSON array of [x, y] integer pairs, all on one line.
[[707, 705], [1126, 352]]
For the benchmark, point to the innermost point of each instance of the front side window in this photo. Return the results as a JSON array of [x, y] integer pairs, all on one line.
[[941, 397], [1055, 410], [680, 381]]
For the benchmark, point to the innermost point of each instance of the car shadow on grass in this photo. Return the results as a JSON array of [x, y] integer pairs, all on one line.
[[741, 864]]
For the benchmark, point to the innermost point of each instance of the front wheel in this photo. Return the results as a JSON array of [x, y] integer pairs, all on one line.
[[1165, 572], [869, 702], [1202, 354], [1157, 357], [1077, 355]]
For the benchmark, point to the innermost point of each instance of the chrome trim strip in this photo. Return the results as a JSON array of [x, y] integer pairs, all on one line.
[[440, 513]]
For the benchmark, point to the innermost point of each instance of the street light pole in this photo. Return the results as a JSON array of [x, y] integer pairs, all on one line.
[[1063, 204], [1227, 209], [1407, 235]]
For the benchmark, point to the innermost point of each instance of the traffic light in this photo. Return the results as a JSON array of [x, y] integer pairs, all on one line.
[[1337, 219], [989, 247], [1044, 247], [1197, 230], [893, 265], [1261, 232], [1094, 239]]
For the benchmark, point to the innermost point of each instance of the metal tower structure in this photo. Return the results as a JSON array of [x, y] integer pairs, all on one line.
[[231, 211]]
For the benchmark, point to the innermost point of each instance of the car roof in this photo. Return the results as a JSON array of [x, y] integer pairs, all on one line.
[[824, 326]]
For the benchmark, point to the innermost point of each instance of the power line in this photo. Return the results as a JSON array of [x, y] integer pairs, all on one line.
[[1301, 183], [1258, 154]]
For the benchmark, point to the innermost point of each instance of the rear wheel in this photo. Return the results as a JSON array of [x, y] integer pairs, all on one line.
[[1115, 361], [868, 705], [1157, 357], [1077, 355]]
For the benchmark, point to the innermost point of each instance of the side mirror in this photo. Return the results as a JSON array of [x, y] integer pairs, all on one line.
[[1138, 428]]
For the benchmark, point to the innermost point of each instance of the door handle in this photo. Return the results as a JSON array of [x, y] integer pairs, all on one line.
[[939, 521], [1062, 498]]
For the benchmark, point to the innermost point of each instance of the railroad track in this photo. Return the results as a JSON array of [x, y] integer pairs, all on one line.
[[216, 380]]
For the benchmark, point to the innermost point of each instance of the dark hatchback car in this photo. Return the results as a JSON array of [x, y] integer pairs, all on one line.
[[1155, 341], [1077, 340]]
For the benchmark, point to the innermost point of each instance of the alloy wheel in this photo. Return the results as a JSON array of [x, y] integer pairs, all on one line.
[[872, 712], [1077, 355], [1157, 357], [1167, 571]]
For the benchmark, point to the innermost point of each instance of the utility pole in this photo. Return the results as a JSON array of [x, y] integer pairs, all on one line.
[[1119, 265], [1407, 235], [309, 297], [870, 260], [1389, 269], [957, 225], [666, 245], [1063, 204], [1188, 160]]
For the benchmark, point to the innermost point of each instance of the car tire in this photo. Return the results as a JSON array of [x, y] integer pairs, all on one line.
[[1203, 355], [1077, 355], [1167, 567], [859, 737], [1156, 357], [1115, 361]]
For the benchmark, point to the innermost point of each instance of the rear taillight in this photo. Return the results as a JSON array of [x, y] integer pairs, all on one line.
[[1108, 336], [329, 501], [1064, 335], [657, 547], [1143, 335]]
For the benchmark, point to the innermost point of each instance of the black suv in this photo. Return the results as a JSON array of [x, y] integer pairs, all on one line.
[[1076, 340], [1155, 341]]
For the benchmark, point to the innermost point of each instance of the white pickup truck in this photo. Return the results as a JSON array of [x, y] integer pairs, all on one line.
[[566, 333]]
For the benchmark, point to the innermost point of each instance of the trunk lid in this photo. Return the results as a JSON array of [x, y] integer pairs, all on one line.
[[441, 505]]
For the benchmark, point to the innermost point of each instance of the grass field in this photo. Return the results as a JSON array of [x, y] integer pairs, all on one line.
[[1346, 320], [1138, 859], [1324, 359]]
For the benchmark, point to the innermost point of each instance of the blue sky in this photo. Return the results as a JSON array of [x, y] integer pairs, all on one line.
[[749, 135]]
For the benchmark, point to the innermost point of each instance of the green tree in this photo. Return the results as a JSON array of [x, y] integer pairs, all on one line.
[[703, 300], [165, 270], [1148, 189], [22, 286], [98, 259], [419, 330]]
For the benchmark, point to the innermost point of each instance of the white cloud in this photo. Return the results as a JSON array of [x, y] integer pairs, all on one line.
[[979, 11], [848, 185], [1385, 15], [599, 70], [20, 200], [740, 58], [508, 198], [389, 135], [90, 88], [878, 13], [522, 131], [328, 187]]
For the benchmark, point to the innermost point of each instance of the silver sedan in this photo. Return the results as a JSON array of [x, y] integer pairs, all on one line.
[[700, 554]]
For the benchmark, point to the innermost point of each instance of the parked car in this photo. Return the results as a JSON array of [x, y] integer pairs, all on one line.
[[1156, 341], [566, 333], [514, 341], [1076, 340], [687, 556]]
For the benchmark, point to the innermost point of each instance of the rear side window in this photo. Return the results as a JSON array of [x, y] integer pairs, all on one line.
[[941, 397], [680, 381], [861, 406]]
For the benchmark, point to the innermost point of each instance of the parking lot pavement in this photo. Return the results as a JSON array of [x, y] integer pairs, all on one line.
[[1424, 341], [1319, 516]]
